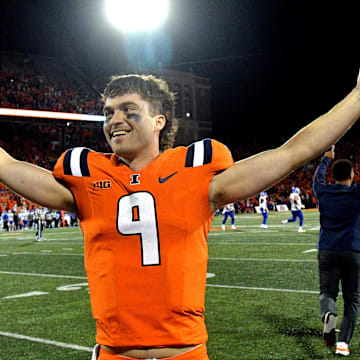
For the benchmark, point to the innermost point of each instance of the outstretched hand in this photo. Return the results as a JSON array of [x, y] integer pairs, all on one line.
[[330, 153]]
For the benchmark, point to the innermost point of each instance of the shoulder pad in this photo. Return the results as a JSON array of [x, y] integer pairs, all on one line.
[[199, 153], [76, 162]]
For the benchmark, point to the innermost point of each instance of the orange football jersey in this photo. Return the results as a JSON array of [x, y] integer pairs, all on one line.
[[145, 241]]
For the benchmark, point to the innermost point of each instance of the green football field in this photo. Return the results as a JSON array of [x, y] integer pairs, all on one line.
[[261, 298]]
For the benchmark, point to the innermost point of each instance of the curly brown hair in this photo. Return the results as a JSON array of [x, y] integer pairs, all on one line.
[[153, 90]]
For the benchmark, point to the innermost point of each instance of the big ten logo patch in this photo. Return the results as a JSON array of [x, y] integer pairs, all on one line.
[[101, 184]]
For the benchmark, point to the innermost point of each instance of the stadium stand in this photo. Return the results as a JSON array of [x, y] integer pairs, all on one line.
[[28, 91]]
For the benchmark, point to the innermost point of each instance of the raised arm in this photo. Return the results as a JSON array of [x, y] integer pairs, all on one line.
[[252, 175], [34, 183], [321, 170]]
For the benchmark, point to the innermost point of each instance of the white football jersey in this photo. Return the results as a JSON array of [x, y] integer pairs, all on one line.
[[23, 214], [295, 201], [263, 202], [10, 215], [228, 208]]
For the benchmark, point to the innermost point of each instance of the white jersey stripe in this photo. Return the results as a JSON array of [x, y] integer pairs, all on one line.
[[198, 153], [75, 161]]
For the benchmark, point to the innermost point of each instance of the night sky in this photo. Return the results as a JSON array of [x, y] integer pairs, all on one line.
[[274, 65]]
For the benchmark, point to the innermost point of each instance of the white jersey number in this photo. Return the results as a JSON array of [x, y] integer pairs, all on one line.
[[137, 216]]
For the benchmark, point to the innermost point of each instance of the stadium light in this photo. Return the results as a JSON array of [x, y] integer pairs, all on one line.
[[133, 15]]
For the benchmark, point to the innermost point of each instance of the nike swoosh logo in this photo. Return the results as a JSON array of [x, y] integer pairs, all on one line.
[[162, 180]]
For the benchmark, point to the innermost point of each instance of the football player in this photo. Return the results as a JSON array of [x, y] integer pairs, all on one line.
[[145, 211], [39, 218], [229, 210], [296, 206], [263, 208], [10, 220]]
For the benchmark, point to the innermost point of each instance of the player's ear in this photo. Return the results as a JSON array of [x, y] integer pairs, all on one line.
[[160, 122]]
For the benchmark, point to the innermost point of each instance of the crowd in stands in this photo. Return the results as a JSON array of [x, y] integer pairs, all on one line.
[[39, 92], [43, 142]]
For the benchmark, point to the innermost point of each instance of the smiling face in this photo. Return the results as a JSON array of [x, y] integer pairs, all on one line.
[[130, 127], [155, 92]]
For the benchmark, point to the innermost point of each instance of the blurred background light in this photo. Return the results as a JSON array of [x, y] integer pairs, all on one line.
[[134, 15]]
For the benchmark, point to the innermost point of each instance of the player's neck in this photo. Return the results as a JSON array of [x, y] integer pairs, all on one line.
[[141, 161]]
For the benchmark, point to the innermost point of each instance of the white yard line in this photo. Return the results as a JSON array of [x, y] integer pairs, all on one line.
[[29, 294], [241, 226], [260, 243], [31, 238], [210, 258], [45, 341], [43, 275], [310, 251], [249, 259], [252, 233], [43, 253], [209, 285], [262, 289]]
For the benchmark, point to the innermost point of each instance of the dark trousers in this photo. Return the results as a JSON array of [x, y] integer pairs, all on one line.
[[231, 214], [344, 266], [295, 214]]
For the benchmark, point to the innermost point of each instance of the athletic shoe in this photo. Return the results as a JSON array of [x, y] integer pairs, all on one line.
[[223, 226], [329, 335], [342, 349], [233, 227], [284, 221], [301, 230], [264, 226]]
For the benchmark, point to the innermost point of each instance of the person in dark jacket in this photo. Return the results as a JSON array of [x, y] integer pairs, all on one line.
[[339, 248]]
